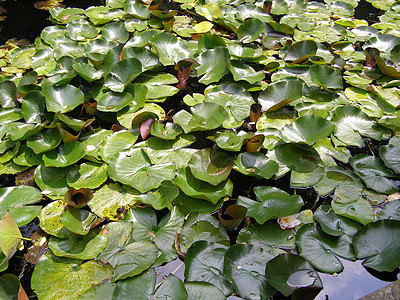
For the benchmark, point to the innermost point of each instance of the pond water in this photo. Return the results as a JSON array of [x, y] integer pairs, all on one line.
[[24, 21]]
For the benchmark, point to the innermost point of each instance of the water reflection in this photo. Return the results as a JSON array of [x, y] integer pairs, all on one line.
[[353, 283]]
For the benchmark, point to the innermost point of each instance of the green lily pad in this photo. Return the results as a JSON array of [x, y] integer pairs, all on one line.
[[148, 59], [244, 266], [371, 243], [242, 71], [374, 173], [213, 64], [268, 236], [350, 122], [210, 165], [169, 48], [16, 199], [80, 247], [288, 273], [347, 185], [231, 140], [19, 131], [122, 73], [201, 290], [141, 285], [55, 277], [162, 233], [318, 248], [360, 210], [234, 98], [50, 222], [172, 288], [133, 168], [196, 188], [11, 237], [274, 203], [204, 262], [67, 154], [256, 164], [8, 94], [162, 197], [117, 142], [301, 158], [137, 10], [390, 156], [250, 30], [88, 72], [9, 287], [205, 116], [280, 93], [115, 32], [197, 227], [326, 77], [309, 129], [113, 102], [63, 98], [300, 51], [168, 131], [334, 224], [77, 220], [390, 211], [188, 204], [44, 141], [88, 175]]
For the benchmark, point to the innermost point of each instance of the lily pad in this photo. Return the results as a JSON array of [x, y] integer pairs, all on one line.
[[288, 273], [170, 49], [63, 98], [88, 175], [256, 164], [326, 77], [301, 158], [360, 210], [162, 197], [210, 165], [371, 243], [11, 237], [67, 154], [201, 290], [55, 277], [390, 211], [244, 266], [374, 173], [250, 30], [77, 220], [274, 203], [16, 199], [122, 73], [318, 248], [213, 64], [204, 262], [117, 142], [80, 247], [390, 156], [334, 224]]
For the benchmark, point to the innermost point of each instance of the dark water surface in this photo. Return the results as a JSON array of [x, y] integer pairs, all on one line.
[[25, 22]]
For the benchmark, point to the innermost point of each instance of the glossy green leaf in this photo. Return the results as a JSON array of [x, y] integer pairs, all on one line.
[[334, 224], [122, 73], [213, 64], [115, 32], [201, 290], [77, 220], [15, 200], [8, 94], [231, 140], [63, 98], [244, 266], [371, 243], [374, 173], [65, 155], [278, 94], [55, 277], [44, 141], [33, 107], [117, 142], [318, 248], [196, 188], [50, 222], [255, 164], [301, 158], [360, 210], [390, 156], [88, 72], [9, 287], [326, 77], [250, 30], [170, 49], [76, 246], [273, 203], [288, 273], [242, 71], [390, 211], [204, 262]]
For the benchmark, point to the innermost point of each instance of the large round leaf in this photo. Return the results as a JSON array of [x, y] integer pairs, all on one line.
[[50, 220], [390, 155], [162, 197], [273, 203], [308, 129], [374, 173], [244, 266], [193, 187], [300, 51], [199, 227], [334, 224], [112, 201], [77, 220], [15, 200], [204, 262], [250, 30], [301, 158], [210, 165], [81, 247], [88, 72], [288, 272], [67, 154], [88, 175], [360, 210], [44, 141], [278, 94], [326, 77], [122, 73], [170, 49], [256, 164], [63, 98], [117, 142], [379, 244], [172, 288], [133, 168], [391, 211], [55, 277], [233, 98], [318, 248], [213, 64]]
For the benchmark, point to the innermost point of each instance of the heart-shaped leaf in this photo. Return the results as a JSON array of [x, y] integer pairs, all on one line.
[[63, 98], [67, 154], [301, 158]]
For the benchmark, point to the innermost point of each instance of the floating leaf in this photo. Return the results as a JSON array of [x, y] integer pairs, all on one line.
[[78, 221], [56, 277], [298, 157], [371, 243], [390, 156], [162, 197], [202, 290], [326, 77], [390, 211], [15, 200], [274, 203], [250, 30], [10, 236], [87, 175], [170, 49], [204, 262], [244, 266], [256, 164], [214, 64], [63, 98], [318, 248], [122, 73], [67, 154], [360, 210]]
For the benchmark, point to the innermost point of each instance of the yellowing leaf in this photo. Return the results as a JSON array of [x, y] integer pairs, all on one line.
[[10, 236], [203, 27]]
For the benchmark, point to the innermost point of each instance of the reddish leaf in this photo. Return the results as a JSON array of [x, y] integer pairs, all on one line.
[[145, 128], [78, 198], [183, 67], [232, 216]]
